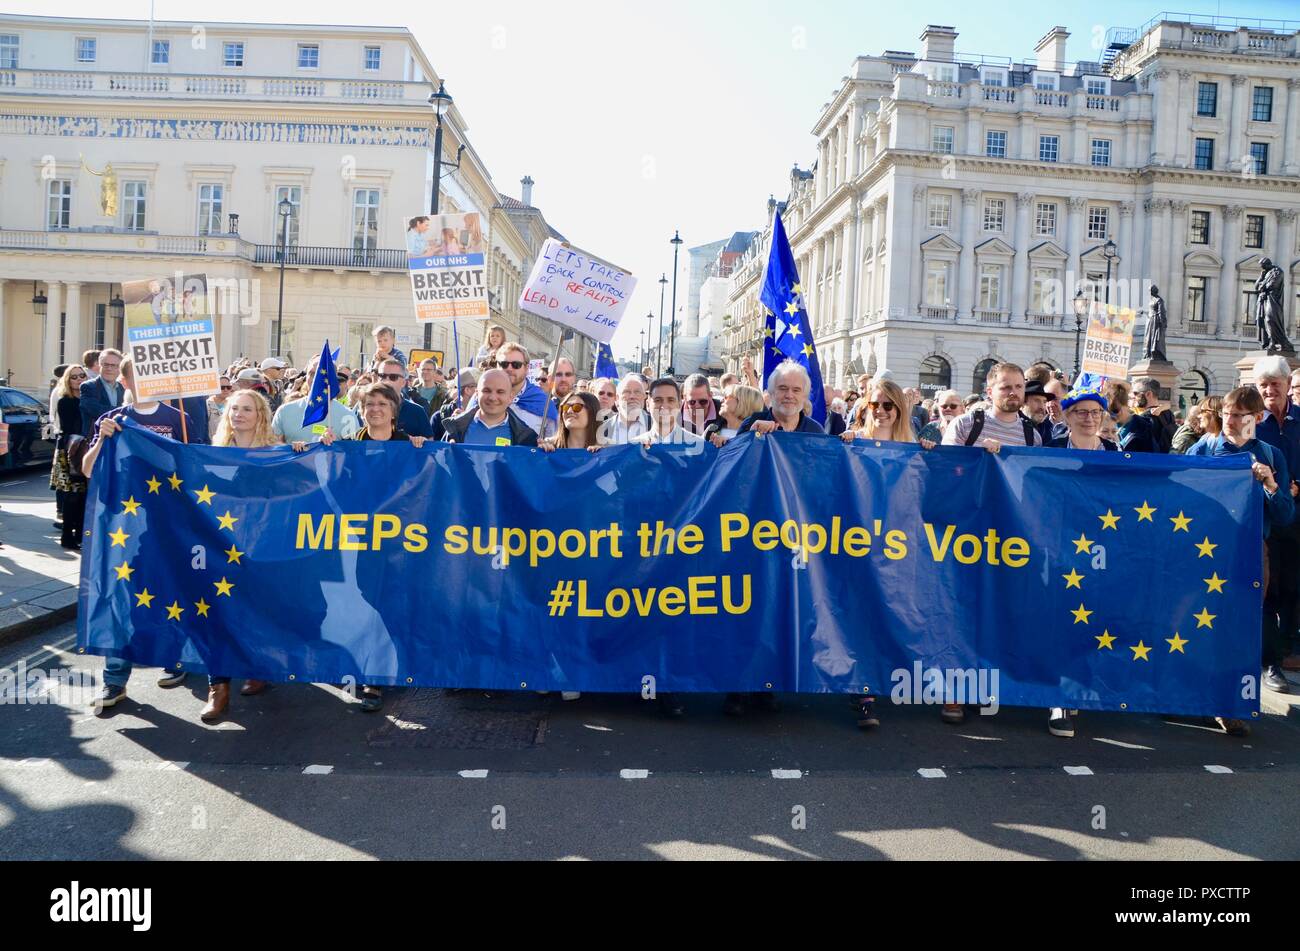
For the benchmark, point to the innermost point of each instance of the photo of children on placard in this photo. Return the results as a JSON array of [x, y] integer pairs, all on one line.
[[158, 302], [445, 236]]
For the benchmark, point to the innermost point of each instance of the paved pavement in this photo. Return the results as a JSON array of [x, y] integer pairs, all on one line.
[[38, 578]]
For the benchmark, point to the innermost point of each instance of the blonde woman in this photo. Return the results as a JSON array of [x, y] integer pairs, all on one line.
[[69, 484], [883, 415], [739, 402]]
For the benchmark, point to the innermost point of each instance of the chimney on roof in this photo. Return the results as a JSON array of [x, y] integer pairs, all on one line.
[[527, 183], [1051, 50], [938, 43]]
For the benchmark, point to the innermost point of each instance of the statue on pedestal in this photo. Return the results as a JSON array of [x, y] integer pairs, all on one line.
[[1272, 316], [1157, 328]]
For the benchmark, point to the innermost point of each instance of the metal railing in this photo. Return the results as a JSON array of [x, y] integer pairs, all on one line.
[[990, 316], [1051, 321], [113, 84], [377, 259], [936, 313]]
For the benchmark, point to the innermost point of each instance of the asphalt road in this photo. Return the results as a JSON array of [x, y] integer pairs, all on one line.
[[301, 773]]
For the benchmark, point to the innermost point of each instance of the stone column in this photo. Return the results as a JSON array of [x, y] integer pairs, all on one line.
[[1137, 254], [966, 263], [974, 141], [877, 229], [1157, 264], [50, 351], [1163, 134], [1290, 139], [1020, 264], [74, 340], [849, 268], [882, 268], [1226, 319], [1236, 123], [1127, 250], [813, 283], [1182, 122], [1176, 299], [1074, 239], [914, 263]]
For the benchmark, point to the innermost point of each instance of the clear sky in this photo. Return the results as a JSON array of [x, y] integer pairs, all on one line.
[[638, 118]]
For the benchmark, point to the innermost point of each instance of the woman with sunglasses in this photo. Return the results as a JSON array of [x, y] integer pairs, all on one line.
[[1202, 421], [951, 406], [217, 405], [67, 483], [739, 402], [883, 416], [578, 424]]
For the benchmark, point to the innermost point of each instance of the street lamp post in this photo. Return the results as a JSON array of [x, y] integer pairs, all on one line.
[[672, 327], [441, 102], [1110, 252], [659, 343], [286, 209], [640, 354], [649, 337], [1080, 310]]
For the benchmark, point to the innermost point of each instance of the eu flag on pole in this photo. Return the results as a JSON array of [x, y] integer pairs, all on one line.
[[789, 335], [605, 367], [324, 389]]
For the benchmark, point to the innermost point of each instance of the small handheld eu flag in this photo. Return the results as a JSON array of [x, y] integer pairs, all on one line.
[[605, 367], [788, 335], [324, 389]]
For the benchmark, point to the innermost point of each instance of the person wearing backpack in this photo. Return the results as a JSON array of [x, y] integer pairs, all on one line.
[[1005, 425]]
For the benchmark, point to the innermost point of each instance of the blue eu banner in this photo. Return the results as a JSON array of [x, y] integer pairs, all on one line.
[[790, 563]]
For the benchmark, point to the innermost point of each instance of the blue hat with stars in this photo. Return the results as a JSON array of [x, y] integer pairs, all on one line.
[[1074, 397]]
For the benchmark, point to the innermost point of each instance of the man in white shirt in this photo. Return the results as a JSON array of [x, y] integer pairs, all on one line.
[[630, 418], [666, 403]]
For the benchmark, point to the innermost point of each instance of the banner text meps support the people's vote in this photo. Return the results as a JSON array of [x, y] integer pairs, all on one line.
[[788, 563]]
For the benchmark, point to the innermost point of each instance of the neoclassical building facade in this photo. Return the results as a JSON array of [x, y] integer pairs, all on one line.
[[958, 204]]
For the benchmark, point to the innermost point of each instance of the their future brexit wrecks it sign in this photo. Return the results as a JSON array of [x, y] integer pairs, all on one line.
[[573, 288], [170, 337]]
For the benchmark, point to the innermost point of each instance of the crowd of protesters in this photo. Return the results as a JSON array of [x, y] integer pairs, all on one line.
[[497, 403]]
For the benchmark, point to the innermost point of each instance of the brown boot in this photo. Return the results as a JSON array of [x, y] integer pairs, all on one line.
[[253, 688], [218, 703]]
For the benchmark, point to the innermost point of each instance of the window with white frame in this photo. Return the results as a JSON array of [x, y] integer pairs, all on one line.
[[1098, 222], [1261, 104], [370, 59], [232, 54], [9, 51], [58, 204], [294, 194], [990, 287], [1254, 233], [1259, 157], [365, 219], [308, 56], [86, 48], [1200, 227], [161, 53], [945, 74], [993, 77], [995, 143], [1196, 291], [1043, 291], [1101, 152], [1047, 81], [1045, 219], [936, 284], [211, 199], [995, 213], [940, 208], [941, 139], [1049, 148], [134, 198], [1097, 86]]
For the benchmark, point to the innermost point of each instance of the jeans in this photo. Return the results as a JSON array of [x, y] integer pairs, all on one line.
[[117, 671]]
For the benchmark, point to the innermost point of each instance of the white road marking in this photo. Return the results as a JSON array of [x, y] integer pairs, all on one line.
[[932, 774], [170, 767], [634, 774], [1219, 770], [1124, 746], [318, 770], [787, 774], [473, 774], [1078, 771]]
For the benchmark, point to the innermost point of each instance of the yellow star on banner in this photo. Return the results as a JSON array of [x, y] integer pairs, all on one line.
[[809, 350], [1073, 580], [119, 538], [154, 485], [1182, 523], [797, 289], [223, 587], [792, 308], [234, 555], [202, 607], [1206, 549], [227, 521], [124, 572], [144, 599], [1146, 512], [1141, 652], [1106, 641], [174, 611], [1109, 521], [1176, 644], [1082, 615], [205, 496], [175, 481], [1215, 584], [769, 333], [130, 506], [1083, 546], [1205, 619]]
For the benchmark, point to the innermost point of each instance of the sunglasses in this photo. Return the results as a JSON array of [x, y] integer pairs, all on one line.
[[886, 406], [395, 377], [226, 388], [951, 406], [509, 365], [572, 409], [701, 403], [77, 376]]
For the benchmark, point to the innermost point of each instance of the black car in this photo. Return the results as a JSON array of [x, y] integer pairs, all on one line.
[[27, 419]]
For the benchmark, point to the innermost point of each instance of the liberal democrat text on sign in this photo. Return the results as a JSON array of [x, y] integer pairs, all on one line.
[[447, 257], [170, 338]]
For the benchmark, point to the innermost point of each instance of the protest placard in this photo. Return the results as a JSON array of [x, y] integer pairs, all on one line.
[[170, 338], [447, 258], [1109, 347], [577, 290]]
